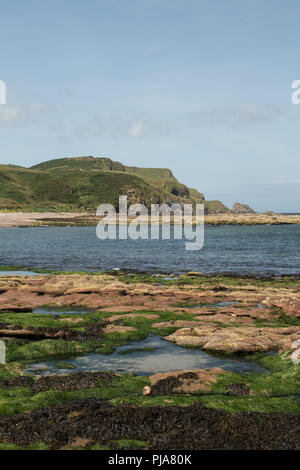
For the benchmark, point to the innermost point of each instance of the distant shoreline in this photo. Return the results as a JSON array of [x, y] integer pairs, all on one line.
[[37, 219]]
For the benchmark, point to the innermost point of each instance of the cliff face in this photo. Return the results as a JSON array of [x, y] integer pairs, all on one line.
[[239, 208], [161, 179], [82, 183]]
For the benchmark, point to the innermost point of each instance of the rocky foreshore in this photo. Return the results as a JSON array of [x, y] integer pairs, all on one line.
[[254, 319], [198, 316], [37, 219]]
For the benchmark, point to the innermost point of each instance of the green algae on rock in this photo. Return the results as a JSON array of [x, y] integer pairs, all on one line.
[[132, 308]]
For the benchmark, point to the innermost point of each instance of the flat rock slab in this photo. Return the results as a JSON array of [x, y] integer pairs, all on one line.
[[106, 292], [289, 304], [225, 318], [236, 339], [118, 329]]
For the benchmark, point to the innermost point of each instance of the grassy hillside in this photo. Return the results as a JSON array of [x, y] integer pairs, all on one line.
[[80, 163], [216, 207], [82, 183], [32, 190], [161, 178]]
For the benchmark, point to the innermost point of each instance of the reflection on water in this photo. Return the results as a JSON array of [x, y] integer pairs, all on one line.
[[165, 357], [216, 305], [61, 311]]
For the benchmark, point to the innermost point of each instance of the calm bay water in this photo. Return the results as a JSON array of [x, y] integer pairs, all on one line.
[[238, 249]]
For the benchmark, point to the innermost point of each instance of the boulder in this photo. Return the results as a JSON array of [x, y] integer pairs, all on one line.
[[184, 381], [239, 208]]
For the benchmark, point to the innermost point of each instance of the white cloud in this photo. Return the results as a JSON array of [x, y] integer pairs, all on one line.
[[25, 113], [10, 114], [244, 114], [137, 129], [36, 107]]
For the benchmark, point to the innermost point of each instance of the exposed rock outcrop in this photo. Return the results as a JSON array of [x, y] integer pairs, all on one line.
[[239, 208], [184, 381], [236, 340]]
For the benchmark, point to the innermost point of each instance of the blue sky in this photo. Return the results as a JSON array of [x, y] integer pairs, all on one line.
[[202, 87]]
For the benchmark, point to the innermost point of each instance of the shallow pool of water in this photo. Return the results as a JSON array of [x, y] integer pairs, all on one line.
[[216, 305], [21, 273], [164, 357], [61, 311]]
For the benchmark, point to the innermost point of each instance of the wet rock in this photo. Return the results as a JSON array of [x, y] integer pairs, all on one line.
[[188, 381], [239, 208], [289, 304], [237, 339], [226, 319], [15, 308], [93, 331], [104, 291], [85, 290], [118, 329]]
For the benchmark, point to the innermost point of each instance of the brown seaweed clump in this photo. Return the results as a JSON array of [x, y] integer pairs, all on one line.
[[92, 332], [190, 382], [171, 385], [73, 381], [96, 422], [238, 390]]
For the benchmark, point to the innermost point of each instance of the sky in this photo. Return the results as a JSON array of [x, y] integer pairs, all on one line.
[[199, 86]]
